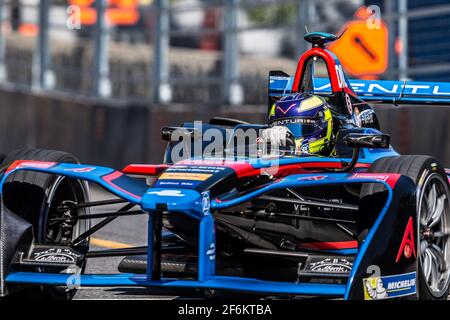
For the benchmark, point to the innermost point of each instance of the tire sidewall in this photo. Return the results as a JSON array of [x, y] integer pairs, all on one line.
[[45, 182], [431, 166]]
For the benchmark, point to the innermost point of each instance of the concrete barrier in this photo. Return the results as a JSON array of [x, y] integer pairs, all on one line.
[[131, 66], [114, 132]]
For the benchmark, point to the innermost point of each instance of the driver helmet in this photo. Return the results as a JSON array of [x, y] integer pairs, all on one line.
[[308, 118]]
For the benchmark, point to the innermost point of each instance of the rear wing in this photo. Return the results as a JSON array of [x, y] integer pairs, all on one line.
[[376, 91]]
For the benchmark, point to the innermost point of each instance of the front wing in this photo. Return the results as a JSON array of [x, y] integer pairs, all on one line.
[[379, 260]]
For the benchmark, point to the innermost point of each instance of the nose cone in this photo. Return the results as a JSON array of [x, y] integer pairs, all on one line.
[[186, 201]]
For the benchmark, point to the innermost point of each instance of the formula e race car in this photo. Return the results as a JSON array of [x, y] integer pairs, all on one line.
[[362, 222]]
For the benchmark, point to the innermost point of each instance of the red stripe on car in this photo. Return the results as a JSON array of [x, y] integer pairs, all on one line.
[[390, 178], [109, 178], [30, 164], [245, 169], [328, 245]]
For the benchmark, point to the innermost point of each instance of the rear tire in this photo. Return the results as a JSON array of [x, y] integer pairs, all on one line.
[[34, 196], [433, 209]]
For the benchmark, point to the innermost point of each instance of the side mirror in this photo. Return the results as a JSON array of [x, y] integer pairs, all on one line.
[[373, 141], [186, 133]]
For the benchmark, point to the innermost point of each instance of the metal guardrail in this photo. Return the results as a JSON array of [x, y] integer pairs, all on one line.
[[229, 31]]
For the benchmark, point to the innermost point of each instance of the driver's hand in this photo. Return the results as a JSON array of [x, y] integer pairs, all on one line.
[[276, 135]]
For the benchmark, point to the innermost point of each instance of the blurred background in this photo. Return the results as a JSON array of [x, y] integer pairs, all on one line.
[[99, 78]]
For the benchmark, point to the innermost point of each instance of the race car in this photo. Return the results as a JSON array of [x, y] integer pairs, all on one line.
[[361, 222]]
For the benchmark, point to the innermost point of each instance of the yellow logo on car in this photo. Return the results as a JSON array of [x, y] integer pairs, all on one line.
[[184, 176]]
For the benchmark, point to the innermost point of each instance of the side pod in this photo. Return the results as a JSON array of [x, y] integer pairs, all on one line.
[[386, 264]]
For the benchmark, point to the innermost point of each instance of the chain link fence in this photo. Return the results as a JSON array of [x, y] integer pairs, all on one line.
[[194, 51]]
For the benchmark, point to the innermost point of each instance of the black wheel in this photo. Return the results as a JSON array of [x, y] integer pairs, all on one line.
[[433, 209], [35, 197]]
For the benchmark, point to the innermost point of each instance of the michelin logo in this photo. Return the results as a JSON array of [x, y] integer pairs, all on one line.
[[376, 288]]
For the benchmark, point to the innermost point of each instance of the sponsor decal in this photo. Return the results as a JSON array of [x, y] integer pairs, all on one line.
[[211, 253], [168, 183], [167, 193], [206, 202], [428, 89], [184, 176], [195, 169], [84, 169], [382, 177], [389, 87], [283, 122], [312, 178], [407, 247], [367, 116], [333, 265], [348, 102], [36, 164], [387, 287], [56, 255], [340, 77]]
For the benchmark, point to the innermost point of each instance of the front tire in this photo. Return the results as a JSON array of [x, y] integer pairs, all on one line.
[[35, 196], [433, 209]]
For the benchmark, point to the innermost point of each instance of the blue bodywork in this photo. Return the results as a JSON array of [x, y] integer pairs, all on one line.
[[199, 206]]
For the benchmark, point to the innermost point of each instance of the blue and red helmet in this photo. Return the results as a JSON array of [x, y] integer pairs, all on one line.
[[307, 117]]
